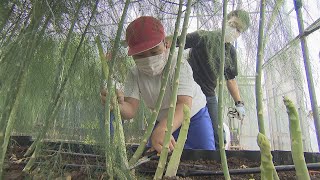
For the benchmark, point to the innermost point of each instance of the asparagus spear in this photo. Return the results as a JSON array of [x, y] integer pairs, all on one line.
[[296, 141], [175, 158], [268, 171]]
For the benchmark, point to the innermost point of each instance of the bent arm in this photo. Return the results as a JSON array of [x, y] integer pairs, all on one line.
[[233, 89], [178, 115], [129, 107]]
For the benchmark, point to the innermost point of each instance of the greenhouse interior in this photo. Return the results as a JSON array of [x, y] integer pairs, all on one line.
[[57, 57]]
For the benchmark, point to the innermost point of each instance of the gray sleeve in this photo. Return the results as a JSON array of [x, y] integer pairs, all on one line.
[[131, 88], [186, 81]]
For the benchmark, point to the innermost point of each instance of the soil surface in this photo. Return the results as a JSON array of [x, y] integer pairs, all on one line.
[[78, 166]]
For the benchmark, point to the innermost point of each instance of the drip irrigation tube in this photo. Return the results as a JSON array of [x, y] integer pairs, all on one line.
[[190, 172], [311, 166]]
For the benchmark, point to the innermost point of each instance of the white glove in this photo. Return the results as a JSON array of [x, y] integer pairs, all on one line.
[[241, 110]]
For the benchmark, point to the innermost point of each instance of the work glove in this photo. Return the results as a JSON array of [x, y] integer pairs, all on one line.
[[240, 110]]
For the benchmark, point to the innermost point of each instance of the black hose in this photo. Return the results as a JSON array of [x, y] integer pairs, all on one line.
[[190, 172]]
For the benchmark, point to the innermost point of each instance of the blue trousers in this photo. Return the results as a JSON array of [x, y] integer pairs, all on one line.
[[200, 133]]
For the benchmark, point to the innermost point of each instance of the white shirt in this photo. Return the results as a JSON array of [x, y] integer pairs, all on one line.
[[139, 85]]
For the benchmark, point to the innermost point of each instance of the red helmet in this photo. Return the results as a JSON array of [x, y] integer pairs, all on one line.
[[144, 33]]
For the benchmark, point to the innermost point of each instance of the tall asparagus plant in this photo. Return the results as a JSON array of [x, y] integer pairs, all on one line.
[[164, 82], [109, 89], [106, 110], [12, 117], [171, 112], [259, 68], [19, 83], [22, 59], [260, 54], [55, 101], [307, 66], [120, 139], [296, 141], [223, 156]]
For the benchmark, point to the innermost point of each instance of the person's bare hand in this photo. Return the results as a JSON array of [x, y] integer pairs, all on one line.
[[168, 41], [120, 96], [104, 94], [157, 139]]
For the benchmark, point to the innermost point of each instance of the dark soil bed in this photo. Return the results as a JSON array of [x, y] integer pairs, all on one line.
[[195, 165]]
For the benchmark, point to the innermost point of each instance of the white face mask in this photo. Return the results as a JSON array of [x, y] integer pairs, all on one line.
[[231, 34], [152, 65]]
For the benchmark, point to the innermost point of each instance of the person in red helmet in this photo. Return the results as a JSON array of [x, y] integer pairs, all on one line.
[[145, 38]]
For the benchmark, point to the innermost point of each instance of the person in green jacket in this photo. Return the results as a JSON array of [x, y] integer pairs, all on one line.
[[204, 58]]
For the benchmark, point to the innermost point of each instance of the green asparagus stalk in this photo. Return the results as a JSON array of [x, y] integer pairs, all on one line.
[[259, 68], [103, 59], [119, 174], [223, 155], [296, 141], [108, 152], [165, 147], [119, 131], [267, 167], [164, 82], [106, 122], [32, 159], [176, 154], [260, 54]]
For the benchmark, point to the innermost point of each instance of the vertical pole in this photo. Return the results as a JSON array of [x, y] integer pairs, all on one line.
[[306, 60]]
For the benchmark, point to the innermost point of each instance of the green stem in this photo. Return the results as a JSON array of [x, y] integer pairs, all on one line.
[[259, 68], [296, 141], [104, 64], [223, 156], [32, 159], [119, 131], [260, 54], [60, 67], [176, 154], [109, 89], [171, 112], [12, 116]]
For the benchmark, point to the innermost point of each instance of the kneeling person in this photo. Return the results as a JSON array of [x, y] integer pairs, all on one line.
[[145, 37]]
